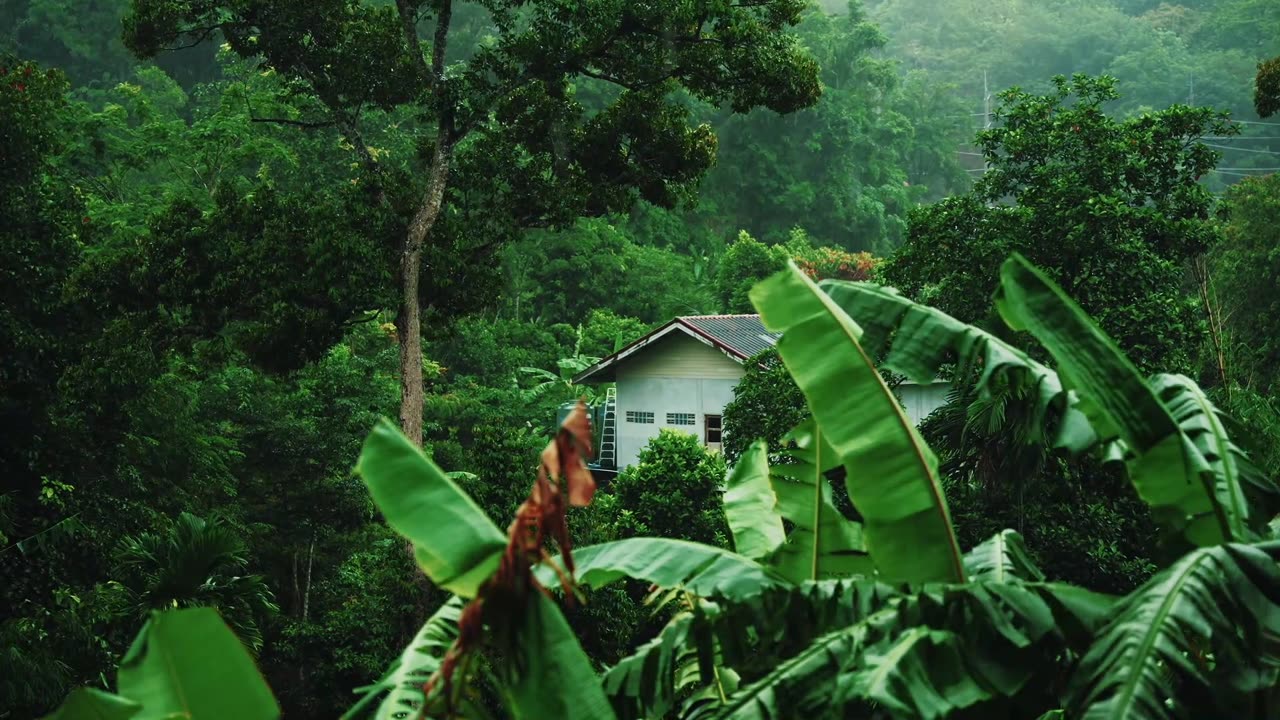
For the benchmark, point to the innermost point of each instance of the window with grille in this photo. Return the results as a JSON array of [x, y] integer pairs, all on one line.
[[711, 429], [637, 416], [680, 419]]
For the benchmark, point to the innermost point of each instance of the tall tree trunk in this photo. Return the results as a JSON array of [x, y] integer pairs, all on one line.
[[306, 594], [1213, 313], [409, 319]]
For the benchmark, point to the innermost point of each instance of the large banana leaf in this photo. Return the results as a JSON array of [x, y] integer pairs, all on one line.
[[942, 650], [822, 544], [1166, 468], [892, 474], [188, 663], [456, 545], [547, 673], [750, 505], [702, 570], [404, 680], [1002, 558], [918, 341], [1195, 641], [1235, 478]]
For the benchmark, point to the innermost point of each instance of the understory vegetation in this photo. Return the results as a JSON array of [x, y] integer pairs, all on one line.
[[236, 236]]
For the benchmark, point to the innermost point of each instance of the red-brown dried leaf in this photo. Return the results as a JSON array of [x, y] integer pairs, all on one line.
[[542, 513]]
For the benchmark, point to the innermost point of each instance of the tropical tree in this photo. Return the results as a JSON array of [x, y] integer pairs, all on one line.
[[195, 563], [1111, 208], [503, 142], [1266, 93]]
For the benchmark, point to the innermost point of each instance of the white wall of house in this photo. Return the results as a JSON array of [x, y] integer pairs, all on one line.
[[920, 400], [678, 375]]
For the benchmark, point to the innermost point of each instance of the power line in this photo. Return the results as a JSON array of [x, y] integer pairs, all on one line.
[[1241, 137], [1255, 122], [1244, 149], [1240, 174]]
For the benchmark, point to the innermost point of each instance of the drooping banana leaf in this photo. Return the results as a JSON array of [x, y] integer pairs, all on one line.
[[455, 543], [892, 475], [1002, 558], [1196, 641], [822, 544], [897, 677], [750, 505], [643, 684], [404, 680], [735, 637], [682, 662], [1249, 496], [802, 685], [1167, 470], [917, 341]]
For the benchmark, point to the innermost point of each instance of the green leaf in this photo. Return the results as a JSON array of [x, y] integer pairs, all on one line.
[[405, 679], [551, 676], [188, 663], [702, 570], [918, 341], [727, 637], [1002, 558], [921, 674], [751, 507], [1166, 469], [1194, 641], [93, 704], [823, 544], [892, 475], [1230, 470], [456, 545]]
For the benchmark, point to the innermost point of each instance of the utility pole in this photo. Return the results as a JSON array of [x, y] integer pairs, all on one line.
[[1191, 95], [986, 102], [986, 115]]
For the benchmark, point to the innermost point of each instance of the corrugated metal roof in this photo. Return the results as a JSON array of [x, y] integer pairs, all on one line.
[[743, 335]]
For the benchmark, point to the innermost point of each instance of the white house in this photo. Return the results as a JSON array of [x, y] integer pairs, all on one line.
[[682, 376]]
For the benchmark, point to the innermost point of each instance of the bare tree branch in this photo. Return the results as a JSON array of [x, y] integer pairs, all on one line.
[[409, 24]]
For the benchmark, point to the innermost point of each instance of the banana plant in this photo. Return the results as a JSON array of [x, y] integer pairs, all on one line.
[[891, 475]]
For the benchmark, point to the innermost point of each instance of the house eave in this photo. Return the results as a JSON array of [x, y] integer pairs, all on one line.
[[605, 370]]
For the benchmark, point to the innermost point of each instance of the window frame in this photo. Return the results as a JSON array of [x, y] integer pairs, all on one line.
[[640, 417], [707, 429]]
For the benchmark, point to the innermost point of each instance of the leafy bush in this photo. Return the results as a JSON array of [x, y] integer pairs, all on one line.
[[673, 492]]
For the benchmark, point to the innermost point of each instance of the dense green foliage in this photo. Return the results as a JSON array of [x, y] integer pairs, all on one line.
[[820, 613], [202, 293]]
